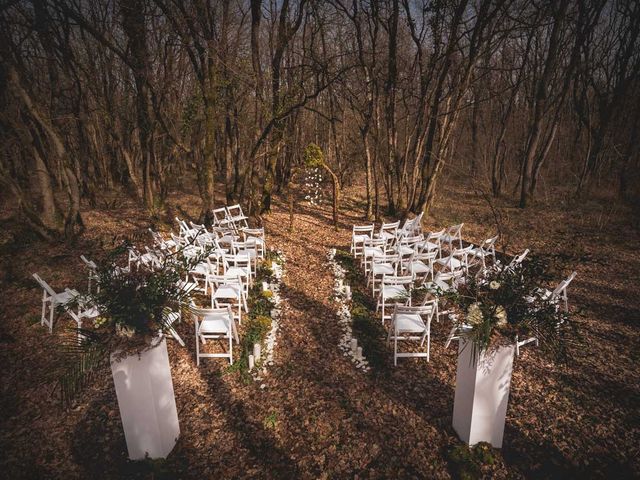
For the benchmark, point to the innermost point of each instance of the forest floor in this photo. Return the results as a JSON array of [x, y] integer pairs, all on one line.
[[315, 415]]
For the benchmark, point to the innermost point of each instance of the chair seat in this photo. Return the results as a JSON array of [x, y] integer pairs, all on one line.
[[406, 322], [227, 291], [418, 267], [383, 269], [451, 262], [373, 251], [394, 291], [201, 268], [64, 297], [361, 238], [405, 250], [214, 324], [255, 241], [429, 245], [385, 235], [448, 238], [237, 271]]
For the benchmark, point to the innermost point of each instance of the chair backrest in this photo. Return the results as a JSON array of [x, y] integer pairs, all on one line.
[[455, 231], [562, 286], [44, 284], [427, 309], [489, 243], [222, 313], [359, 229], [461, 252], [518, 258], [386, 258], [218, 280], [423, 254], [89, 263], [407, 227], [411, 240], [397, 279], [375, 242], [390, 227], [417, 224], [235, 210], [253, 232], [435, 235], [220, 215]]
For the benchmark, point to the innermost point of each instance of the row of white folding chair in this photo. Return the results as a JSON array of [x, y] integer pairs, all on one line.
[[360, 233]]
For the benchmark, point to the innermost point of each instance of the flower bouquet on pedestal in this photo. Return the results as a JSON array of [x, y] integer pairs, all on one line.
[[492, 312]]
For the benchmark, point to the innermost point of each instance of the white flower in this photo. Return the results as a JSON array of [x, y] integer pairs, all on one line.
[[474, 314], [501, 316], [494, 285]]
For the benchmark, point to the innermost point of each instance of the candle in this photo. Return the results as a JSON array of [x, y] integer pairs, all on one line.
[[354, 344], [251, 362], [359, 353], [256, 351]]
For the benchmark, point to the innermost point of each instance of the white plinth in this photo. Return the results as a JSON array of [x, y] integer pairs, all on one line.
[[482, 394], [147, 404]]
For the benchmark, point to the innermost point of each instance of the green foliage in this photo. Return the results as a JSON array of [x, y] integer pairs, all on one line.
[[313, 156], [134, 305], [507, 301], [467, 462], [271, 421]]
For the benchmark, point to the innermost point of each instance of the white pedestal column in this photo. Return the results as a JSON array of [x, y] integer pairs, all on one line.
[[147, 403], [482, 394]]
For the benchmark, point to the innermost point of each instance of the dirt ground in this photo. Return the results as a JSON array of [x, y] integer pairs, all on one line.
[[315, 415]]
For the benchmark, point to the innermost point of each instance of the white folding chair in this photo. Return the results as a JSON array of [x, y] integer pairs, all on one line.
[[359, 234], [559, 294], [411, 324], [453, 234], [217, 324], [238, 265], [250, 250], [407, 228], [227, 290], [372, 247], [408, 245], [518, 259], [255, 237], [457, 259], [200, 276], [172, 317], [381, 265], [388, 230], [433, 241], [221, 217], [394, 289], [237, 217], [92, 273], [52, 300], [484, 250], [417, 224], [420, 265]]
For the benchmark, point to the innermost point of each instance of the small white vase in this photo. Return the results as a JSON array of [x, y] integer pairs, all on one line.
[[482, 394], [147, 403]]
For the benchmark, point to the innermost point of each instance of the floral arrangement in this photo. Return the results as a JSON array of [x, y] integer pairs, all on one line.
[[313, 159], [134, 305], [504, 303]]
